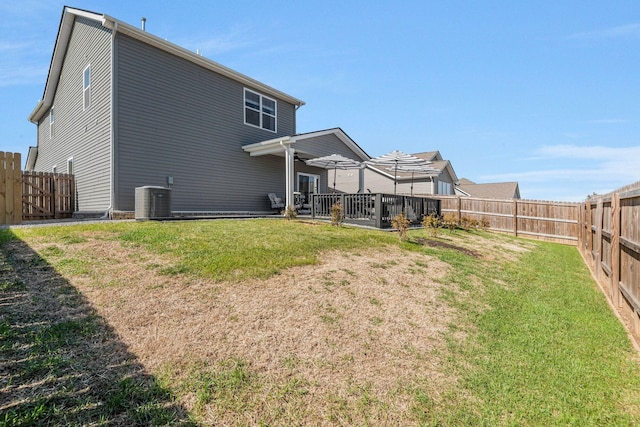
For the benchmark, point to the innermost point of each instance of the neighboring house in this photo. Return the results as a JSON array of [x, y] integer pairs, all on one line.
[[380, 179], [494, 190], [123, 108]]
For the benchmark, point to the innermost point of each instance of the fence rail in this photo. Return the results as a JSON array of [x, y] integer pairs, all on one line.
[[549, 221], [609, 240], [47, 196]]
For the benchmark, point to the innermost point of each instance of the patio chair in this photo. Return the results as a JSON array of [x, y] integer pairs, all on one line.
[[301, 204], [276, 202]]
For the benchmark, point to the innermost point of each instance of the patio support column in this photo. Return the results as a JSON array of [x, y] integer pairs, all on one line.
[[289, 163], [361, 180]]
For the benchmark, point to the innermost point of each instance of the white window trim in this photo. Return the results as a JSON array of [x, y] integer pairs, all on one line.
[[260, 112], [52, 120], [85, 89], [70, 162]]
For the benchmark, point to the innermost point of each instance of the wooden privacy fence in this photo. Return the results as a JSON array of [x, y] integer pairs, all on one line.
[[549, 221], [33, 195], [47, 196], [609, 239], [10, 188]]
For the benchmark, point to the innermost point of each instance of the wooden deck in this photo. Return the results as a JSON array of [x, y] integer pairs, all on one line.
[[375, 209]]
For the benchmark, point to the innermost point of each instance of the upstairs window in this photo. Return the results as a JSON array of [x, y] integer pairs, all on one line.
[[52, 120], [86, 87], [259, 111]]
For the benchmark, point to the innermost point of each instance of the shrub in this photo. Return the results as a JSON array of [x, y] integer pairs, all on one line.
[[337, 214], [290, 213], [465, 223], [485, 223], [401, 223], [450, 222], [432, 223]]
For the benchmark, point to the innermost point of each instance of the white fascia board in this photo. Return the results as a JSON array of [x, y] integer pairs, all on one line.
[[31, 158], [270, 146], [461, 191], [59, 51]]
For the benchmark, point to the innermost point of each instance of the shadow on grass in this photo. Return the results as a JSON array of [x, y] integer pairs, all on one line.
[[61, 363]]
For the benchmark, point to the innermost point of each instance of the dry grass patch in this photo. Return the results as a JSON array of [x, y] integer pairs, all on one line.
[[351, 339]]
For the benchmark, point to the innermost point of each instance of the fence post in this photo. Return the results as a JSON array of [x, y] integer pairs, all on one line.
[[515, 217], [589, 236], [458, 209], [10, 188], [17, 189], [599, 222], [616, 298], [3, 189], [581, 210]]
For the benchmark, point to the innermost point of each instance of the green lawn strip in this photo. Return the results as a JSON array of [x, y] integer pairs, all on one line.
[[544, 347], [221, 249], [237, 250]]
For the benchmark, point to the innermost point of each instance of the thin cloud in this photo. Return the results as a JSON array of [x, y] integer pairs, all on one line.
[[587, 169], [589, 152], [9, 46], [22, 75], [622, 31]]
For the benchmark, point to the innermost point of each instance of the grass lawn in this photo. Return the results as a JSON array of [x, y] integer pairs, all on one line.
[[268, 322]]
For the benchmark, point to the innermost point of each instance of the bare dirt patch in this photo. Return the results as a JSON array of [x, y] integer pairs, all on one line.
[[365, 326], [440, 244]]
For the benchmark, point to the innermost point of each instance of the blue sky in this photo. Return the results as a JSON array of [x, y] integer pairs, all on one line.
[[546, 93]]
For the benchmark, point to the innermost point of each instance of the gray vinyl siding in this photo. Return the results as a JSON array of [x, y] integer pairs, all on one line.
[[326, 145], [83, 135], [175, 118], [378, 183]]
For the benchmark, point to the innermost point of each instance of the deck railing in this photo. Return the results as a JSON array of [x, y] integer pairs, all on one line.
[[375, 210]]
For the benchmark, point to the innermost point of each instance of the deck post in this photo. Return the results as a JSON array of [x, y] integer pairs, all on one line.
[[378, 209]]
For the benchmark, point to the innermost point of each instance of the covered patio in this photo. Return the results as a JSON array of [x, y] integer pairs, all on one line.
[[299, 177]]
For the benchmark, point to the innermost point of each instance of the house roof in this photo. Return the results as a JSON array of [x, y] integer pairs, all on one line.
[[274, 146], [437, 162], [495, 190], [429, 155], [69, 16]]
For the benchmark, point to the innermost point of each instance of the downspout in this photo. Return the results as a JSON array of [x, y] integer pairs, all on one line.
[[107, 213]]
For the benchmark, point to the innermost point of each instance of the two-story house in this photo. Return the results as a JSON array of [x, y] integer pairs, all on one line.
[[123, 108]]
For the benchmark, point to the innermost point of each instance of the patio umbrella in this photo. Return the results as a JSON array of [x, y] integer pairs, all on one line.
[[335, 162], [394, 160], [416, 168]]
